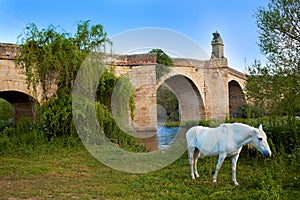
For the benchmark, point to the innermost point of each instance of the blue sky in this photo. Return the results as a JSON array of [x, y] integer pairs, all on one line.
[[197, 19]]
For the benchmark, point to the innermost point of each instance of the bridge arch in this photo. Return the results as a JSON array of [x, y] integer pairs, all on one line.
[[22, 104], [236, 97], [13, 85], [190, 99]]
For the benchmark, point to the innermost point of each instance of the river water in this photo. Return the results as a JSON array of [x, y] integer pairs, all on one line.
[[161, 139]]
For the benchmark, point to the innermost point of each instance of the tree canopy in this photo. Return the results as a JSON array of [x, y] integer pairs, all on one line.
[[164, 62], [52, 54], [275, 87]]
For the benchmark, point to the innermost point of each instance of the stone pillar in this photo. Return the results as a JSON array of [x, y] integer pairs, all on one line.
[[216, 80], [144, 80], [142, 72]]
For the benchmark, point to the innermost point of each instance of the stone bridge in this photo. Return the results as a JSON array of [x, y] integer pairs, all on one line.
[[205, 89]]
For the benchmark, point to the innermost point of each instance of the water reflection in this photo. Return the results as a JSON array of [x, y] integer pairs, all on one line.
[[162, 139]]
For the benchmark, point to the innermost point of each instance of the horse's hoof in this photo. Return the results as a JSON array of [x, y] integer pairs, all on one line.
[[236, 183], [214, 181]]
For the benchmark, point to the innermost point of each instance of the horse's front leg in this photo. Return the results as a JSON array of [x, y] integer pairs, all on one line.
[[234, 161], [220, 162]]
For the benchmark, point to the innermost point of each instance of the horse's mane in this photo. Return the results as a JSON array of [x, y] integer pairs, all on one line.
[[240, 125], [236, 123]]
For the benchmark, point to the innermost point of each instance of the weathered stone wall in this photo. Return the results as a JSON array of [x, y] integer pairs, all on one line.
[[11, 77], [141, 70]]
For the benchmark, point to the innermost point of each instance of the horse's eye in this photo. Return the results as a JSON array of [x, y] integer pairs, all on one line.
[[260, 139]]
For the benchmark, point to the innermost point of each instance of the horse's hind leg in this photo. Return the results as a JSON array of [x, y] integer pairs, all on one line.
[[192, 162], [196, 156]]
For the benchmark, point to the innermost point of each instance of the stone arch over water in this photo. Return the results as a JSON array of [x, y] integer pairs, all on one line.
[[190, 100]]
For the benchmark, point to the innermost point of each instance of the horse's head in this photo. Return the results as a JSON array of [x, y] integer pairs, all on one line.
[[260, 142]]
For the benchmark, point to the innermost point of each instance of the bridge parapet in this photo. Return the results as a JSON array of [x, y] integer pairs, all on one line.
[[8, 51], [188, 62], [236, 73], [131, 60]]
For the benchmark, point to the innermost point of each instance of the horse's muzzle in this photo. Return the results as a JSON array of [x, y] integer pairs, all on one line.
[[267, 154]]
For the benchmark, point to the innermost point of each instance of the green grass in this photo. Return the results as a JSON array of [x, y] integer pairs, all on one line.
[[72, 173]]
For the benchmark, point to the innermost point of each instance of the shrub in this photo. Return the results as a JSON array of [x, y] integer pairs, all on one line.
[[5, 124], [25, 136], [55, 116], [5, 110], [6, 146]]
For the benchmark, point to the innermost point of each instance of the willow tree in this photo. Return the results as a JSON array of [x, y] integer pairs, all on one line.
[[276, 86], [51, 58], [52, 54]]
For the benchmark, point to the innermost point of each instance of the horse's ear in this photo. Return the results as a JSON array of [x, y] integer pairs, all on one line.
[[260, 127]]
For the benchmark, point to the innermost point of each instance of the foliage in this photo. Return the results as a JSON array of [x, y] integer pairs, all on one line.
[[53, 57], [167, 99], [5, 114], [162, 57], [106, 87], [279, 34], [275, 87], [56, 116], [5, 110], [121, 86], [23, 137], [114, 133], [164, 62], [279, 37], [248, 111]]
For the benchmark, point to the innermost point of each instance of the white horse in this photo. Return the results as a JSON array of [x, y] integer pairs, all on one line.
[[226, 140]]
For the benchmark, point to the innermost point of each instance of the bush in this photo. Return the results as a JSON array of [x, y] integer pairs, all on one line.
[[284, 137], [247, 111], [6, 146], [55, 116], [5, 110], [5, 124]]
